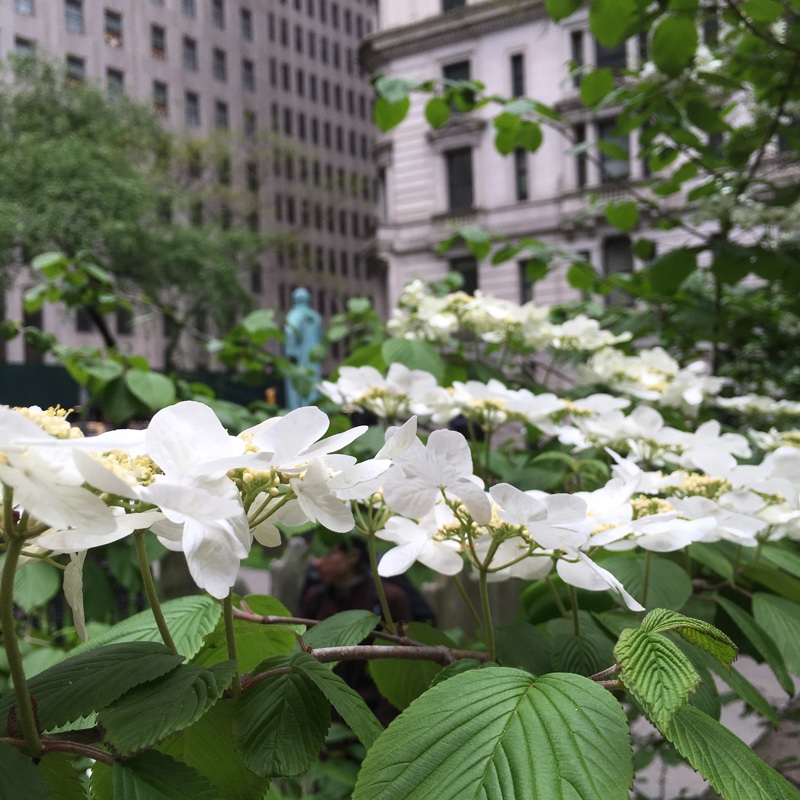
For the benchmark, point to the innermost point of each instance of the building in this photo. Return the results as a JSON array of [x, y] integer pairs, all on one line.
[[281, 78], [434, 181]]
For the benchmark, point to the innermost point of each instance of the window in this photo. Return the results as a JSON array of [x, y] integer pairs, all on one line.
[[290, 215], [335, 15], [614, 58], [252, 176], [271, 26], [225, 217], [348, 22], [525, 283], [457, 71], [300, 82], [188, 8], [459, 179], [248, 75], [221, 115], [76, 69], [273, 72], [218, 14], [124, 321], [449, 5], [517, 75], [219, 63], [113, 28], [73, 15], [192, 109], [467, 268], [287, 121], [115, 83], [24, 7], [298, 39], [614, 165], [576, 50], [256, 282], [158, 42], [24, 47], [323, 10], [323, 50], [250, 124], [195, 162], [246, 23], [312, 45], [224, 171], [579, 136], [83, 321], [337, 97], [189, 54], [160, 98], [521, 173], [284, 33], [326, 93], [157, 2], [196, 214], [617, 258], [336, 56], [286, 77]]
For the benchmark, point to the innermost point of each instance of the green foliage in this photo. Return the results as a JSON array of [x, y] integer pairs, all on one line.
[[155, 776], [18, 770], [62, 780], [414, 353], [342, 629], [478, 733], [780, 618], [36, 585]]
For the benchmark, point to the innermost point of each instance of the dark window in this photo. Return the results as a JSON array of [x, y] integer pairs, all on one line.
[[271, 26], [219, 63], [83, 321], [221, 115], [158, 42], [76, 69], [348, 22], [250, 124], [224, 170], [284, 33], [459, 179], [248, 75], [300, 82], [525, 285], [196, 214], [298, 39], [218, 14], [335, 15], [616, 165], [246, 21], [312, 45], [24, 47], [287, 121], [467, 268], [273, 72], [517, 75], [521, 173], [195, 162], [458, 71], [189, 54], [24, 7], [323, 10], [256, 281], [579, 135], [124, 321], [160, 98], [449, 5], [286, 77], [617, 258], [73, 15], [188, 7], [576, 49], [614, 58], [113, 28], [115, 83]]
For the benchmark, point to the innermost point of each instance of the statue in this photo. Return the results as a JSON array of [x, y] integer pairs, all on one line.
[[303, 332]]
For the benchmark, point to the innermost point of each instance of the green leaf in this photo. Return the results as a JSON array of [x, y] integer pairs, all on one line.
[[711, 558], [390, 115], [401, 681], [674, 44], [90, 681], [501, 733], [457, 667], [155, 776], [596, 86], [581, 276], [51, 265], [760, 640], [350, 705], [561, 9], [61, 778], [207, 746], [609, 20], [669, 585], [394, 89], [154, 710], [780, 619], [623, 215], [342, 629], [415, 354], [279, 724], [524, 646], [156, 391], [254, 643], [764, 11], [655, 672], [189, 620], [725, 761], [530, 136], [437, 112], [585, 653], [16, 771], [695, 631], [35, 584]]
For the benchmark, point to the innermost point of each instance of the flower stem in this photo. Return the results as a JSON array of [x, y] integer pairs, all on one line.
[[25, 713], [576, 619], [488, 626], [646, 579], [557, 597], [373, 563], [466, 598], [152, 594], [230, 639]]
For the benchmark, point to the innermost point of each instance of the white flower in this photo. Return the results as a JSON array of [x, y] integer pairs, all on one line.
[[583, 573]]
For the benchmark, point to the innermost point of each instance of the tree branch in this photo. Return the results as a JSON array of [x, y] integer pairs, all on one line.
[[63, 746]]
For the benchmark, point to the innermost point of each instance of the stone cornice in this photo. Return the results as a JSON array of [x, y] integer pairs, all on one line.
[[468, 22]]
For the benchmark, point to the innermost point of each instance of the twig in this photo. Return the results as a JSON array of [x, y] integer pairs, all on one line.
[[64, 746]]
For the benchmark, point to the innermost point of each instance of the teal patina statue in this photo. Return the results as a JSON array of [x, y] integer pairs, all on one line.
[[303, 331]]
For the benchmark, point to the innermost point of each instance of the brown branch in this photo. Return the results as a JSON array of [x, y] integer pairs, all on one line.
[[63, 746], [606, 673]]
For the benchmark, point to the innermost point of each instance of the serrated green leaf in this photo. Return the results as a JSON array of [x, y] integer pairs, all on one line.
[[207, 746], [695, 631], [623, 215], [401, 681], [758, 637], [153, 389], [155, 776], [390, 115], [151, 712], [350, 705], [674, 43], [725, 761], [279, 724], [16, 771], [437, 112], [524, 646], [596, 85], [457, 667], [342, 629], [780, 618], [585, 653], [61, 778], [254, 643], [655, 672], [189, 620], [501, 733], [415, 354], [90, 681], [711, 558], [35, 584]]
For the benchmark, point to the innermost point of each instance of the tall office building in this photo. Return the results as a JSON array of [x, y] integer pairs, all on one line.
[[434, 181], [282, 78]]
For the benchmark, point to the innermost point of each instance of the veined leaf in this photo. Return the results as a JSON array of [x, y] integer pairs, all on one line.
[[502, 733], [154, 776], [695, 631], [780, 618], [61, 778], [655, 672], [342, 629], [16, 771]]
